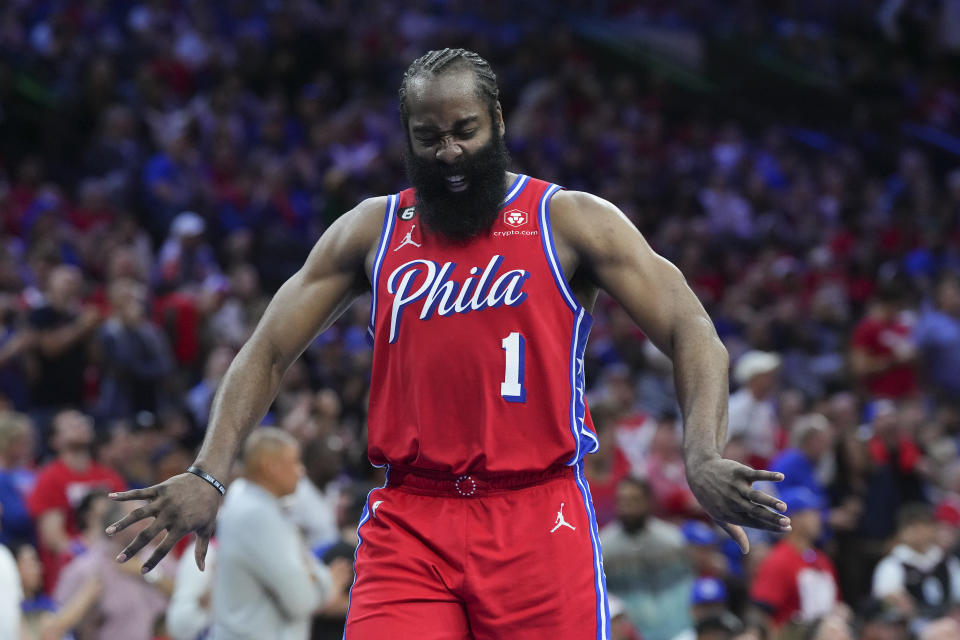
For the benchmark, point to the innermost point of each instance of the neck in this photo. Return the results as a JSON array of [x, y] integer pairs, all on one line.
[[919, 549], [264, 484], [800, 543], [77, 461]]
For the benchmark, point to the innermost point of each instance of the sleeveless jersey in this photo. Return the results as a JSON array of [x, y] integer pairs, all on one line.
[[477, 347]]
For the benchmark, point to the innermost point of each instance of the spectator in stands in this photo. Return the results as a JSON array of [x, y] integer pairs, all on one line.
[[941, 629], [894, 479], [239, 314], [607, 467], [11, 595], [752, 411], [116, 153], [833, 626], [937, 336], [634, 428], [796, 581], [63, 329], [666, 474], [702, 542], [42, 618], [129, 602], [882, 354], [136, 356], [16, 481], [61, 486], [879, 621], [171, 177], [16, 343], [187, 262], [646, 563], [709, 610], [315, 502], [917, 577], [802, 466], [621, 628], [267, 583], [190, 614], [201, 395], [330, 619]]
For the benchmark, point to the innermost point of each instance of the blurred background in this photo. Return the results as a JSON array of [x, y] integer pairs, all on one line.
[[166, 164]]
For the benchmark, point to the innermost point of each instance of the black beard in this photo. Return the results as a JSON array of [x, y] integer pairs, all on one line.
[[633, 524], [467, 214]]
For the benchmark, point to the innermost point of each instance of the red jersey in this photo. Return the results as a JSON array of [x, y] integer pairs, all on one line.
[[60, 487], [879, 338], [478, 346], [793, 584]]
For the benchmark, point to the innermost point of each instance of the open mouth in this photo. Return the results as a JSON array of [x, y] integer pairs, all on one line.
[[456, 183]]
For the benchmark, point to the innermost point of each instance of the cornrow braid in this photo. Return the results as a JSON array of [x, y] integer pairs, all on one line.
[[437, 61]]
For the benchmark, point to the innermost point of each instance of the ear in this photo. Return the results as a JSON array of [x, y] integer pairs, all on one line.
[[499, 119]]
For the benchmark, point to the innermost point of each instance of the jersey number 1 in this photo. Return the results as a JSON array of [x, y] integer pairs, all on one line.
[[512, 388]]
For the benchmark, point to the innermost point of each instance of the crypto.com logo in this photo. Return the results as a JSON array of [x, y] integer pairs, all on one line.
[[515, 218]]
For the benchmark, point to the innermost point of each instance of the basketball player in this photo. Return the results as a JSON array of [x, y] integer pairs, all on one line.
[[483, 281]]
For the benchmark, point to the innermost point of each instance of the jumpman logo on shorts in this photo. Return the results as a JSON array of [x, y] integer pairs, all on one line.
[[560, 521], [408, 239]]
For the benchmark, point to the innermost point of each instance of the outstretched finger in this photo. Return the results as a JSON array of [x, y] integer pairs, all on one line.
[[140, 541], [148, 493], [759, 497], [200, 550], [738, 534], [761, 475], [165, 545], [146, 511]]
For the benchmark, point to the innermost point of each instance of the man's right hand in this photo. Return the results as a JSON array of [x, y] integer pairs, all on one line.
[[181, 505]]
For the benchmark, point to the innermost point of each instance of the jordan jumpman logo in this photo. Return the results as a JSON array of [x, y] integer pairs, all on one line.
[[408, 239], [561, 522]]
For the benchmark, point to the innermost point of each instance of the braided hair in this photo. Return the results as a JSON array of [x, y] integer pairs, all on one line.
[[435, 62]]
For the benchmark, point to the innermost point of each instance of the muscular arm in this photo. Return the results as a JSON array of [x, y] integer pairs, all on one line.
[[655, 294], [599, 240]]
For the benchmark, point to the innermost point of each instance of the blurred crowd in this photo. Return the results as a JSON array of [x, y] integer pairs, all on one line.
[[166, 164]]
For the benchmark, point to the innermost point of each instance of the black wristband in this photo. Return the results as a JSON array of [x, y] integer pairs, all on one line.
[[200, 473]]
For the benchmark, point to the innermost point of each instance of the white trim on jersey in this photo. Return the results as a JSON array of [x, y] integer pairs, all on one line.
[[385, 235]]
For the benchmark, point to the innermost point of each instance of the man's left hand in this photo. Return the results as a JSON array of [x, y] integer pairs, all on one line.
[[725, 491]]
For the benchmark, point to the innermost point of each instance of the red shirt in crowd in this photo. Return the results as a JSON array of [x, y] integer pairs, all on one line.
[[795, 584], [60, 487], [879, 338]]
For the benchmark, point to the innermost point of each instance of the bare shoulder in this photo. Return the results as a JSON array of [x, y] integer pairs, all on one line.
[[348, 242], [589, 225], [361, 225]]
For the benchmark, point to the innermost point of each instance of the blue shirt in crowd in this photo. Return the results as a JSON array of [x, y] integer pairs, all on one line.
[[937, 335]]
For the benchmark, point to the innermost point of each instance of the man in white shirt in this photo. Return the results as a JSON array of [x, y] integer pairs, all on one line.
[[647, 564], [11, 594], [917, 577], [313, 506], [751, 410], [189, 615], [266, 583]]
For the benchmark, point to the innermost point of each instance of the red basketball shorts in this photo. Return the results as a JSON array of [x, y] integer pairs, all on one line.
[[479, 558]]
